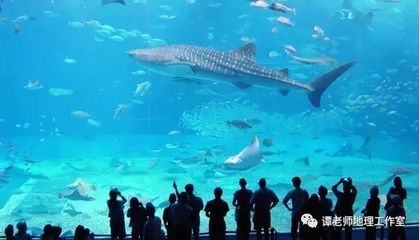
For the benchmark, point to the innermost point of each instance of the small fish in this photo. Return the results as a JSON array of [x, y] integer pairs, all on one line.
[[273, 54], [259, 4], [142, 89], [318, 32], [138, 72], [156, 150], [171, 145], [153, 163], [92, 23], [167, 17], [285, 21], [117, 38], [282, 8], [70, 60], [16, 28], [371, 124], [267, 142], [173, 132], [76, 24], [119, 111], [33, 85], [80, 114], [303, 160], [289, 49], [56, 92], [104, 2], [93, 122]]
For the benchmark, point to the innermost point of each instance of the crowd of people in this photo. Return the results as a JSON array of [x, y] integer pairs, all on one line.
[[312, 216]]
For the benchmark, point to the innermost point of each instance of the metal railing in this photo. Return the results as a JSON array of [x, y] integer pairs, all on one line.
[[274, 235]]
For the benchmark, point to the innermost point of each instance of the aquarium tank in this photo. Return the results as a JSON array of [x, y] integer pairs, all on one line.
[[138, 94]]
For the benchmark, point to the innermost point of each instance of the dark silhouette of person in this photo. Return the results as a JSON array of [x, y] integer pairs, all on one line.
[[88, 235], [152, 228], [79, 233], [344, 204], [116, 214], [181, 218], [56, 232], [8, 232], [241, 201], [325, 210], [396, 229], [261, 203], [398, 190], [371, 211], [137, 215], [167, 218], [298, 197], [312, 207], [46, 235], [216, 210], [196, 204], [21, 231]]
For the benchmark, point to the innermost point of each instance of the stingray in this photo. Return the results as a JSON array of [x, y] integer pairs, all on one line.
[[163, 204], [189, 160], [80, 189], [249, 157], [66, 234], [176, 170], [240, 124], [76, 195], [104, 2], [269, 153], [303, 160], [146, 199], [267, 142], [213, 174], [281, 186], [400, 170], [347, 149], [82, 185], [72, 212], [349, 13]]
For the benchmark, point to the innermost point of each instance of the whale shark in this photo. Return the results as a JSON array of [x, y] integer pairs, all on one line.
[[249, 157], [237, 67]]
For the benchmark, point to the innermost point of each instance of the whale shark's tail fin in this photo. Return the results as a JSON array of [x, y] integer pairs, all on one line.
[[321, 83]]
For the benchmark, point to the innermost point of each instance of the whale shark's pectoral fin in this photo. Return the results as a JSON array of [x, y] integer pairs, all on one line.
[[242, 85], [248, 51]]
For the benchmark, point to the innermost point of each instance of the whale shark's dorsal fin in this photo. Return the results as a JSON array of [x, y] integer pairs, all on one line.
[[248, 50]]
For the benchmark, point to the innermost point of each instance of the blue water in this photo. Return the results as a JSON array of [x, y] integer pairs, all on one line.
[[50, 148]]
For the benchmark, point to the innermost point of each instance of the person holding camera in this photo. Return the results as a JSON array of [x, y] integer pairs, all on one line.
[[344, 206], [116, 214]]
